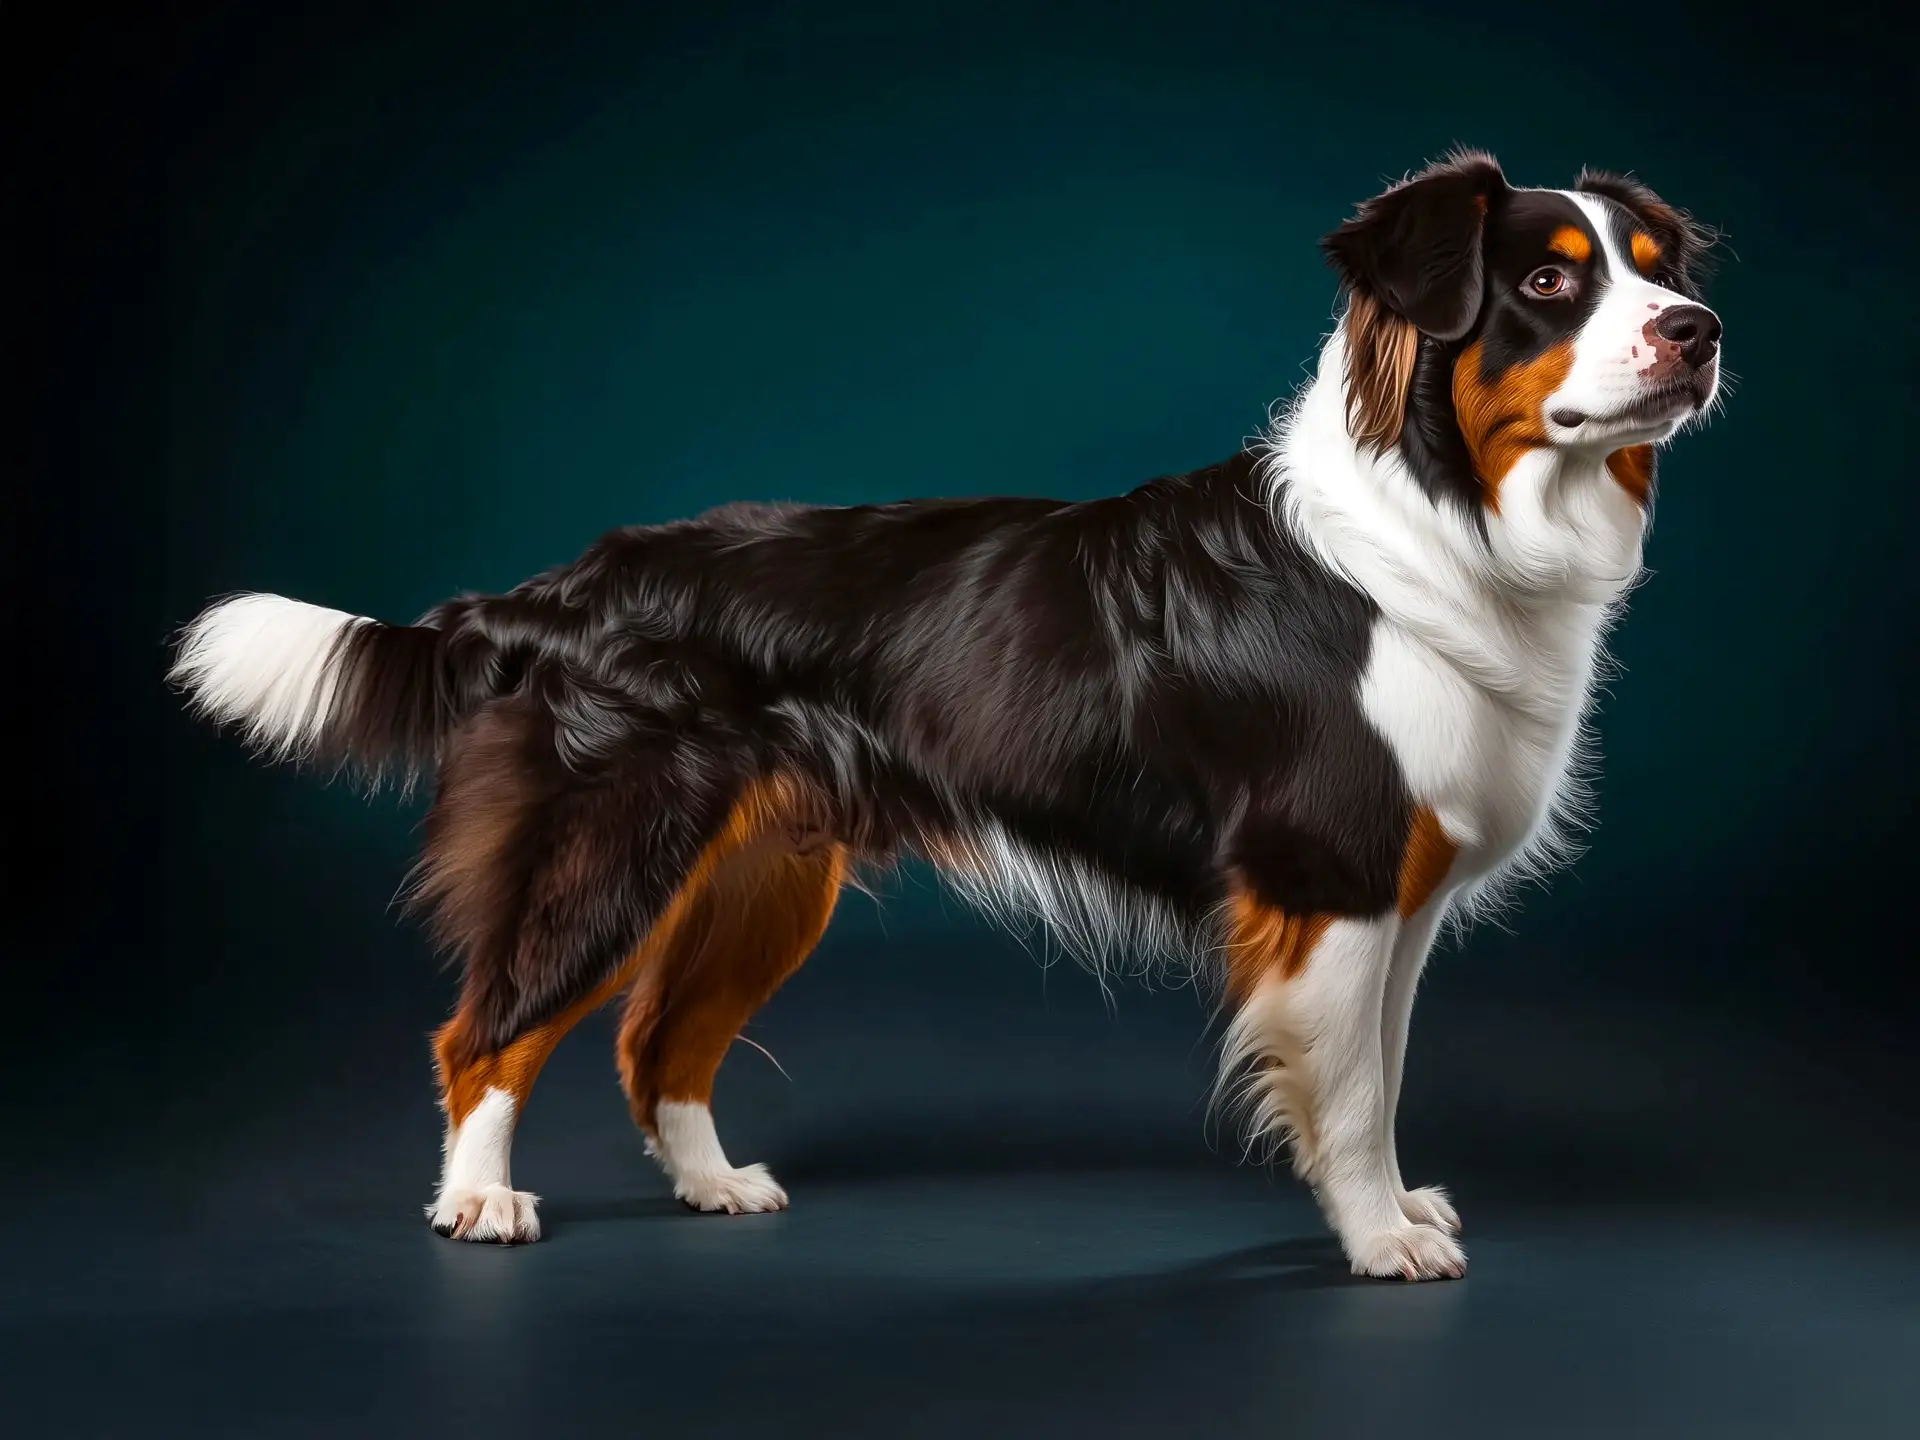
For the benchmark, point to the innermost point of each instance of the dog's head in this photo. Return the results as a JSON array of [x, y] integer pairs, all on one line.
[[1558, 319]]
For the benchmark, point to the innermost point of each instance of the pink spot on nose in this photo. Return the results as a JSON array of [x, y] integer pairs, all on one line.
[[1666, 355], [1653, 304]]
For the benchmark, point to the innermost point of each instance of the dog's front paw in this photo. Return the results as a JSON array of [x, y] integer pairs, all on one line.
[[1430, 1205], [495, 1215], [1408, 1252], [745, 1191]]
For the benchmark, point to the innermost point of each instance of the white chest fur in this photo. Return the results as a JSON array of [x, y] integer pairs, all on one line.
[[1489, 637], [1501, 770]]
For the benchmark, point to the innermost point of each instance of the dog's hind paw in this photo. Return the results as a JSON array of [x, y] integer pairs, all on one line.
[[495, 1216], [745, 1191]]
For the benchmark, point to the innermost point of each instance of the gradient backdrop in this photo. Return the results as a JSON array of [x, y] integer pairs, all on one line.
[[372, 308]]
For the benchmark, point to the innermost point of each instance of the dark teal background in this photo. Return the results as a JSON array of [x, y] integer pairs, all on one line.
[[377, 305], [373, 304], [370, 311]]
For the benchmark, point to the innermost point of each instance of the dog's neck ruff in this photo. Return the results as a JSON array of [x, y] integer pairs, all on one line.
[[1516, 599]]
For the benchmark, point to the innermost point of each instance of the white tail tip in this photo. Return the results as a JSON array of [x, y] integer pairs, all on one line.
[[265, 664]]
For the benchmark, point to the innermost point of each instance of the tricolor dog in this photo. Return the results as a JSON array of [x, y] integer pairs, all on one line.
[[1273, 720]]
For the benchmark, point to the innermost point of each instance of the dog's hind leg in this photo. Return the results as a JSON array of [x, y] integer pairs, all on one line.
[[742, 928], [545, 877]]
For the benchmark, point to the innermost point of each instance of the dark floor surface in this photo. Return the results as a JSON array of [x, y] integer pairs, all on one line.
[[1008, 1220]]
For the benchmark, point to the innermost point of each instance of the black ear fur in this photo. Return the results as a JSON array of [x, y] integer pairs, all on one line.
[[1416, 248], [1687, 243]]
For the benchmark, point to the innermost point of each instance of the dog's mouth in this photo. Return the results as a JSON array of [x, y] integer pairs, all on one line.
[[1667, 401]]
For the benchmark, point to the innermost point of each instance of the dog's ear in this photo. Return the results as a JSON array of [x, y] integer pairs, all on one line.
[[1416, 249]]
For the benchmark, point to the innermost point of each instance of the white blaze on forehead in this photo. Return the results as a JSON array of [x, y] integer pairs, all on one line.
[[1622, 273]]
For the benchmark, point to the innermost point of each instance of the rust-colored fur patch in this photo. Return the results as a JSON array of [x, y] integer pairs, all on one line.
[[1263, 940], [1569, 242], [1502, 416], [1429, 855], [707, 968], [1646, 251], [770, 816], [1632, 470], [514, 1069], [1381, 349]]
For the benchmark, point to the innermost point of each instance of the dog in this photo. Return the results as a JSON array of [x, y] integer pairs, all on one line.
[[1274, 721]]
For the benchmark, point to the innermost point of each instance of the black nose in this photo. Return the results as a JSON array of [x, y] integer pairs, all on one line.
[[1694, 328]]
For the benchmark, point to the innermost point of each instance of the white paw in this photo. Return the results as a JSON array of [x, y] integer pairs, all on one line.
[[1430, 1205], [1408, 1252], [745, 1191], [495, 1215]]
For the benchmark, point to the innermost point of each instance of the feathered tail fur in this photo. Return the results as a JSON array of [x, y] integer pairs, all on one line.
[[304, 683]]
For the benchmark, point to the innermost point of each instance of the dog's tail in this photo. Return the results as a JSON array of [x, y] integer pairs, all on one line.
[[304, 683]]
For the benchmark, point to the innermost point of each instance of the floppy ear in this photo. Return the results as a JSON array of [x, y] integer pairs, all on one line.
[[1416, 248]]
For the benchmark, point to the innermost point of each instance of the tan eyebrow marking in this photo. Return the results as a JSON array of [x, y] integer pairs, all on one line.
[[1646, 251], [1572, 244]]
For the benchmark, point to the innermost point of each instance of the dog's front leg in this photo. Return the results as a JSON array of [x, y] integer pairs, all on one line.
[[1309, 1032], [1428, 1203]]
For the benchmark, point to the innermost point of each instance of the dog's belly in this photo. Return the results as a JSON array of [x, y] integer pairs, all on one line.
[[1115, 866]]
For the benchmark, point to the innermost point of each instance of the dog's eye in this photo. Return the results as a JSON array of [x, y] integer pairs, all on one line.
[[1547, 281]]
